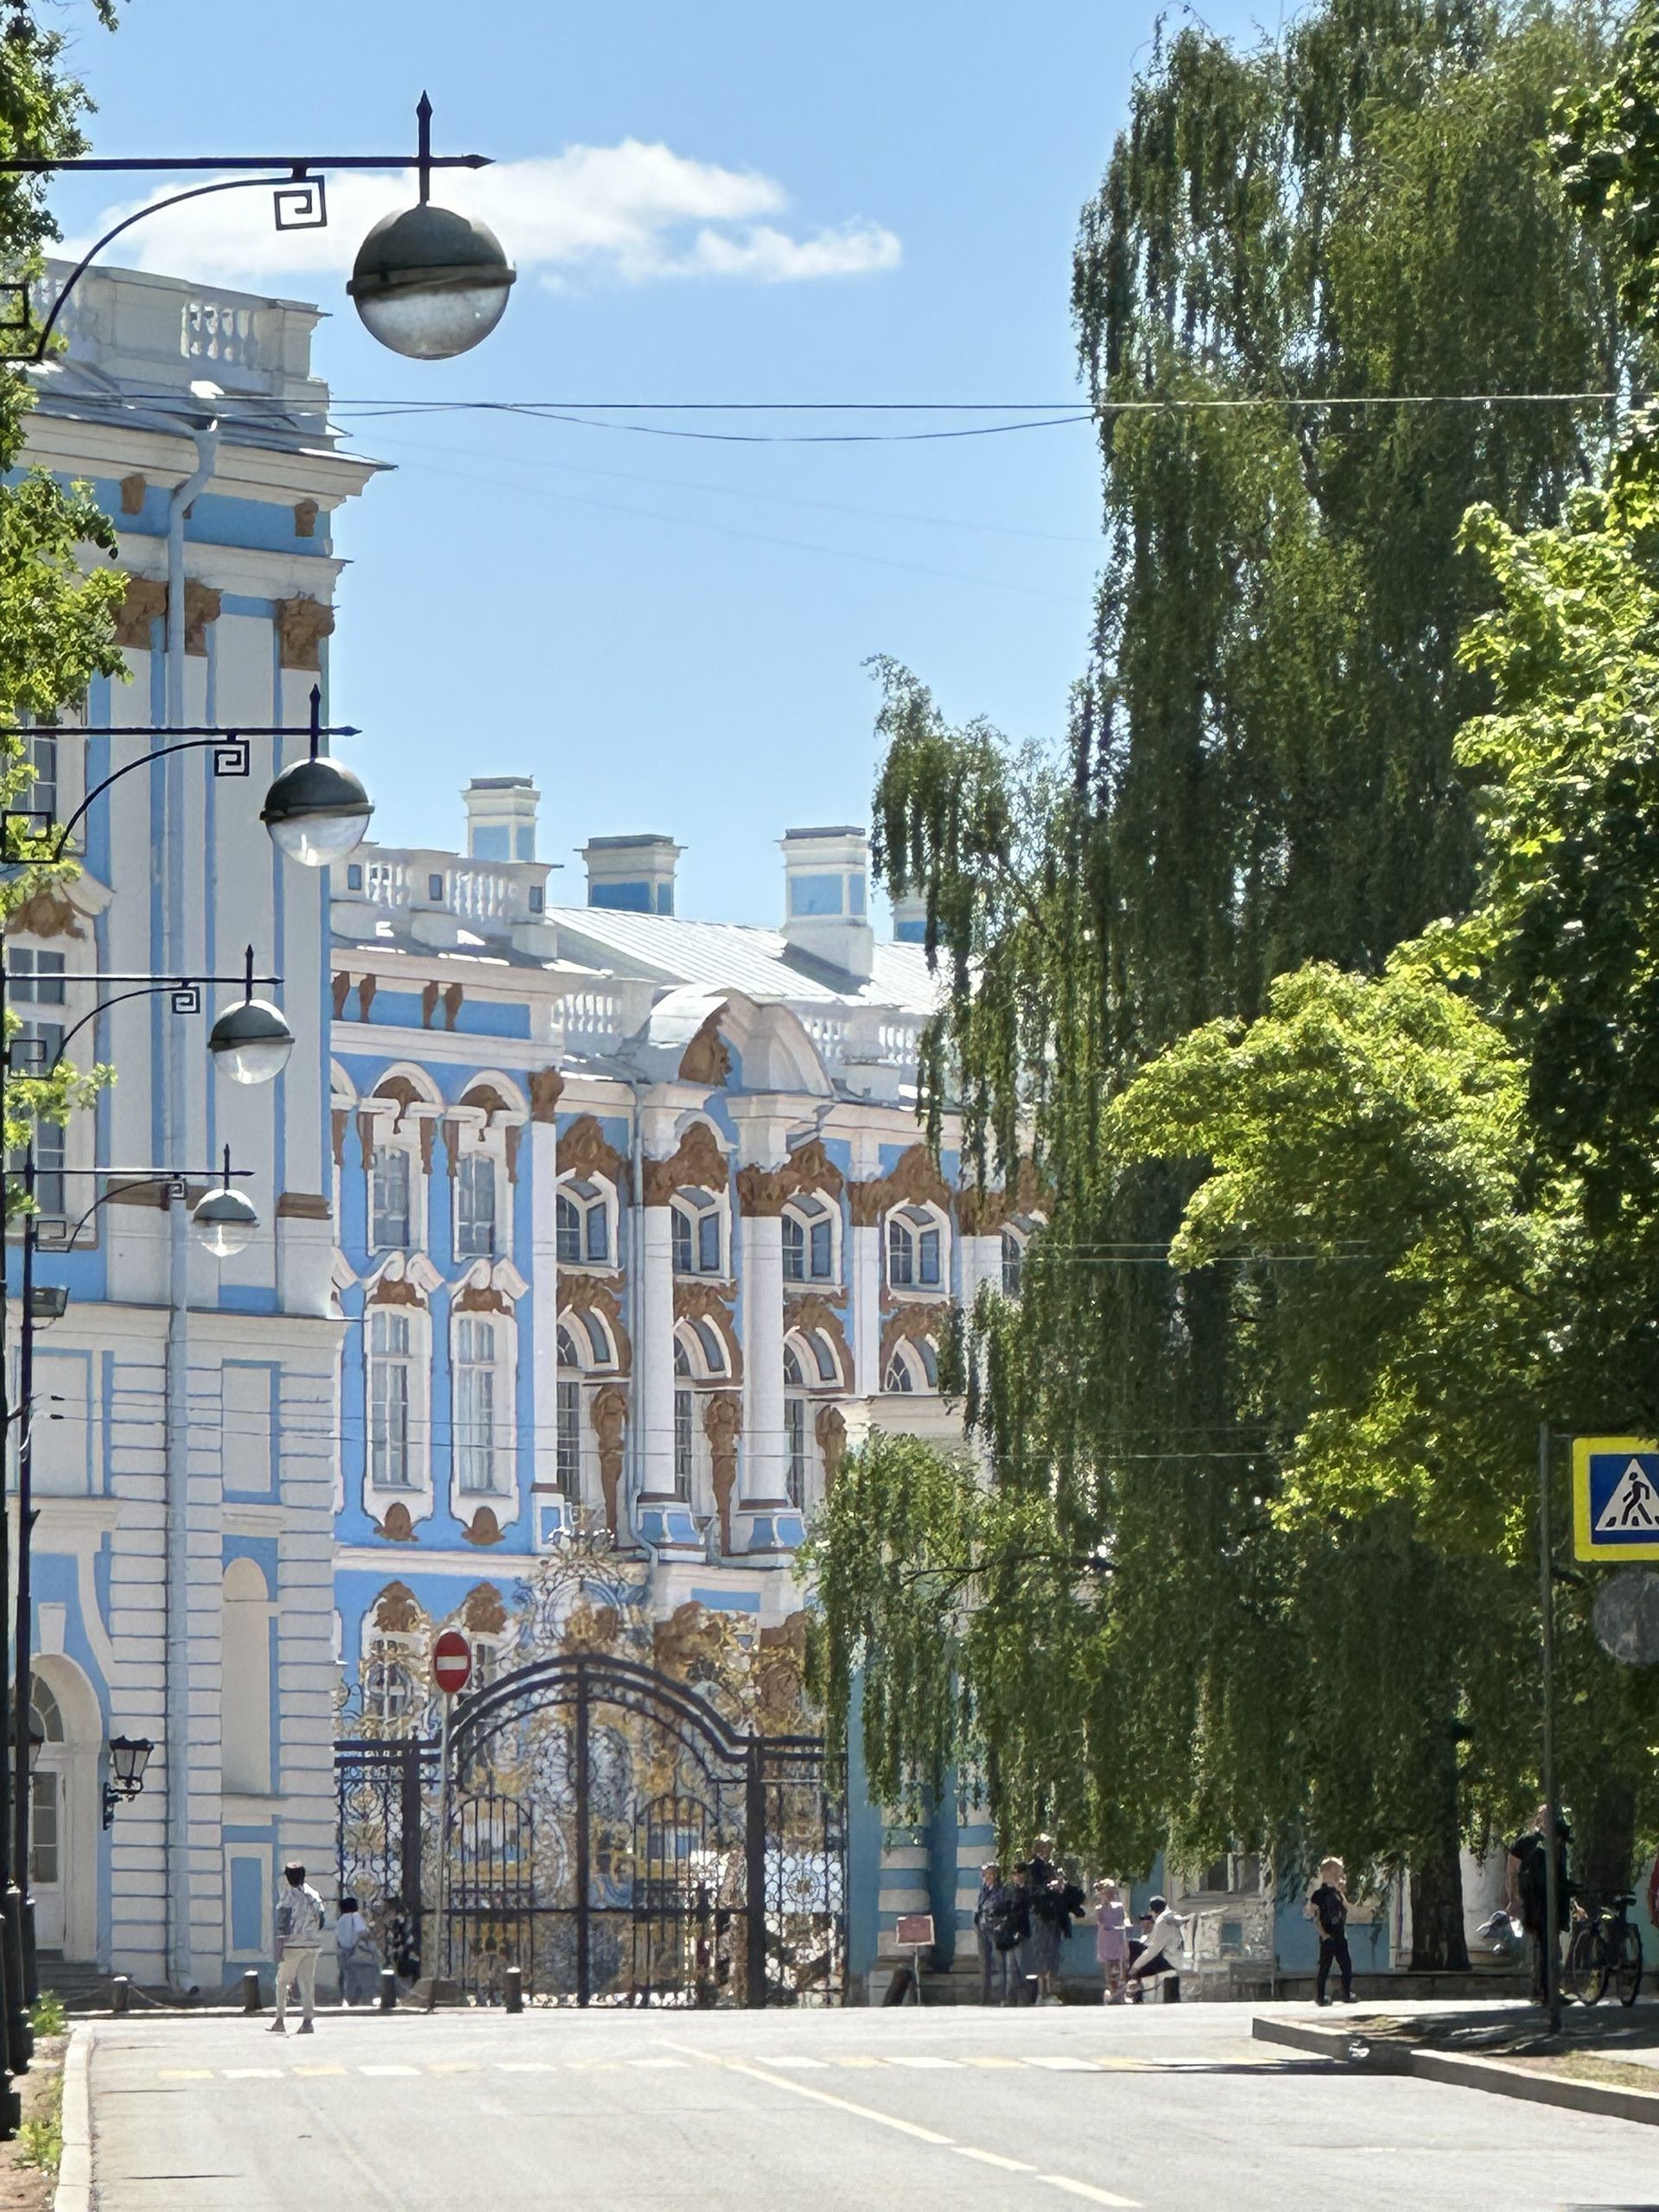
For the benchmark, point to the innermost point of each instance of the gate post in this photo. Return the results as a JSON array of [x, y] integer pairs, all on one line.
[[584, 1870], [410, 1823], [755, 1871]]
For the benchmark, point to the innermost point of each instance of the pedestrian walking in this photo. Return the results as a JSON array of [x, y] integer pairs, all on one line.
[[299, 1939], [1327, 1909], [1528, 1862], [1017, 1936], [1054, 1904], [995, 1935], [1159, 1959], [358, 1960], [1111, 1938]]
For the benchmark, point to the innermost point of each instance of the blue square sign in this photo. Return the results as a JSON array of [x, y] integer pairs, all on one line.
[[1615, 1497]]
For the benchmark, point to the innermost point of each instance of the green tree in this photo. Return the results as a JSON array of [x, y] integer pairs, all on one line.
[[56, 608]]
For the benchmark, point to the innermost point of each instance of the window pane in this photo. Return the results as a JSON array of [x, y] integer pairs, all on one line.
[[929, 1241], [1013, 1254], [389, 1200], [714, 1352], [898, 1373], [599, 1230], [682, 1242], [390, 1390], [569, 1438], [795, 1435], [684, 1408], [828, 1371], [568, 1233], [43, 1836], [475, 1204], [709, 1245], [793, 1369], [795, 1249], [477, 1462], [823, 1251], [898, 1254], [44, 764]]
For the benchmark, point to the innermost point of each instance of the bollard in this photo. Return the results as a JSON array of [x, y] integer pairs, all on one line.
[[119, 1994], [250, 1990], [515, 1989], [388, 1989]]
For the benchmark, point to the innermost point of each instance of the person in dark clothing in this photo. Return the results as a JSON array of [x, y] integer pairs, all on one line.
[[1528, 1872], [1328, 1910], [996, 1935], [1016, 1935]]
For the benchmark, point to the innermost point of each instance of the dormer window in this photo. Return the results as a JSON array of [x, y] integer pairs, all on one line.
[[915, 1249], [809, 1241], [697, 1234], [583, 1226]]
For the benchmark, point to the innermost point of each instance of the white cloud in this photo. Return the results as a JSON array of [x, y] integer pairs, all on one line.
[[635, 212]]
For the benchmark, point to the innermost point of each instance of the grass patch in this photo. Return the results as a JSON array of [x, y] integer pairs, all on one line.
[[47, 2015], [40, 2139]]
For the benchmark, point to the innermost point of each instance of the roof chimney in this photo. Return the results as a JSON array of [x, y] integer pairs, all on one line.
[[501, 817], [635, 874], [826, 878]]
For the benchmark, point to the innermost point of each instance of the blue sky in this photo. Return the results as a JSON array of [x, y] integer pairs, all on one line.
[[712, 202]]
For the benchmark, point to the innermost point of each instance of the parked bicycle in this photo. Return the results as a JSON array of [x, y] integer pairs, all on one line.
[[1605, 1949]]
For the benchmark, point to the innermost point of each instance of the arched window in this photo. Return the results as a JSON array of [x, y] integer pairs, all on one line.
[[46, 1711], [685, 1423], [569, 1387], [809, 1241], [795, 1429], [713, 1350], [916, 1255], [1014, 1260], [483, 1397], [582, 1228], [391, 1699], [244, 1724], [475, 1199], [394, 1382], [697, 1239], [914, 1366]]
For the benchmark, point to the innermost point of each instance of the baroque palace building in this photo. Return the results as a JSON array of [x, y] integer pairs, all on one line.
[[586, 1230]]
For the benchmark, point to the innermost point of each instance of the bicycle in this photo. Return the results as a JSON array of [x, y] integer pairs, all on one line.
[[1605, 1947]]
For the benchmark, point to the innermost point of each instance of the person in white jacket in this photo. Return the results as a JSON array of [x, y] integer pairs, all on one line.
[[299, 1939]]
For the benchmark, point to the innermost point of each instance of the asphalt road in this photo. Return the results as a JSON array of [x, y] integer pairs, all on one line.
[[1173, 2111]]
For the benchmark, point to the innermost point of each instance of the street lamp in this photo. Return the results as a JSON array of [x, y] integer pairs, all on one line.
[[225, 1223], [251, 1042], [316, 810], [128, 1756], [428, 283]]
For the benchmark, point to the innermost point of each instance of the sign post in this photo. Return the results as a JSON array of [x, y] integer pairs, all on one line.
[[452, 1668], [915, 1930], [1551, 1943]]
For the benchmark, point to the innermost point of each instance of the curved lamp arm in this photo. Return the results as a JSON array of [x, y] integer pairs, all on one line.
[[137, 1178], [187, 997]]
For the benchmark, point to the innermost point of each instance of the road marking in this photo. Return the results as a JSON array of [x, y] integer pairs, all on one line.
[[523, 2066], [992, 2062], [1085, 2189], [1064, 2065], [316, 2073], [797, 2065], [453, 2066], [824, 2097], [858, 2062], [993, 2158], [186, 2074], [388, 2073], [679, 2063], [254, 2072], [922, 2060]]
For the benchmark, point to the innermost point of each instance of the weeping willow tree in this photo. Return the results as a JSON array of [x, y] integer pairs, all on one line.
[[1291, 245]]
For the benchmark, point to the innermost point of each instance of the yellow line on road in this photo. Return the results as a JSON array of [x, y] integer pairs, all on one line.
[[1085, 2189], [993, 2158], [316, 2073], [186, 2074]]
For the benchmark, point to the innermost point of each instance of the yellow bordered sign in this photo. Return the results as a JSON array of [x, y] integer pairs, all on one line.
[[1615, 1497]]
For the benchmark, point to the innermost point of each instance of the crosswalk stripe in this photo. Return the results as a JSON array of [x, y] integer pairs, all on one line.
[[388, 2073], [1064, 2065], [254, 2072], [855, 2061], [316, 2073], [992, 2062], [922, 2060]]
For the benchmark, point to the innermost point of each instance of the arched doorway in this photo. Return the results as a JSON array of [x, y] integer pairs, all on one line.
[[63, 1833]]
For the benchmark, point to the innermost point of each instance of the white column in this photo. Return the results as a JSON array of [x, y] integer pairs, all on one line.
[[765, 1520], [539, 1155], [982, 1261], [865, 1279], [661, 1518]]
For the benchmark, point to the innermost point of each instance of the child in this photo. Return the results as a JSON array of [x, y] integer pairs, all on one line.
[[1328, 1908], [1111, 1939]]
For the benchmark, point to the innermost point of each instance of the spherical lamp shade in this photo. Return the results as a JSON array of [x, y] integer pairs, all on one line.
[[317, 812], [430, 284], [251, 1042], [225, 1222]]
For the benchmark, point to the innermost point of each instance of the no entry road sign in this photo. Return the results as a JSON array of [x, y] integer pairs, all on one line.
[[1615, 1497], [452, 1661]]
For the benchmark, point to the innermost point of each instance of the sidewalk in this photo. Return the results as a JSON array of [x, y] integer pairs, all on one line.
[[1606, 2059]]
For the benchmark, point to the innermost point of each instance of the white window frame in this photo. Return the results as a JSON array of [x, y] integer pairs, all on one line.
[[502, 1494], [910, 1359], [586, 1196], [417, 1493], [58, 1151], [396, 1146], [804, 1215], [692, 1211], [911, 1224], [476, 1157]]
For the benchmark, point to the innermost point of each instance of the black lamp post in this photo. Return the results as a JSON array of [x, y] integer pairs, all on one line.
[[428, 283]]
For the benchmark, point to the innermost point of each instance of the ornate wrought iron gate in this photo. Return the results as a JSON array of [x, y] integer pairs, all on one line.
[[612, 1836]]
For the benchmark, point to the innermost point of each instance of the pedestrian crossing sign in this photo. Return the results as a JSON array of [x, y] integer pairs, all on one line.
[[1615, 1497]]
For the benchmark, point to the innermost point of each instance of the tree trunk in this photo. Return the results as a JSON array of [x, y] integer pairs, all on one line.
[[1603, 1850], [1437, 1937]]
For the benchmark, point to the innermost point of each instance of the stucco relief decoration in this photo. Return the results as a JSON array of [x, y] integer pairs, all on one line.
[[133, 489], [429, 1003], [696, 1163], [397, 1528], [483, 1528], [145, 605], [546, 1088], [302, 626], [395, 1290], [484, 1613], [809, 1167], [339, 1117], [722, 1424], [454, 999], [584, 1151], [701, 1302], [707, 1058], [588, 1294], [915, 1180], [399, 1087], [305, 518], [755, 1683], [395, 1612], [608, 1411], [761, 1192], [830, 1429], [202, 605], [481, 1298], [987, 1213], [909, 1324], [342, 986], [47, 913], [584, 1596]]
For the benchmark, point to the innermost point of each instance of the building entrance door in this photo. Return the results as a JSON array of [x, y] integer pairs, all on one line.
[[50, 1835]]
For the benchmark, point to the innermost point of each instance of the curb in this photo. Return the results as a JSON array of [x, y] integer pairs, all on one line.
[[74, 2190], [1491, 2075]]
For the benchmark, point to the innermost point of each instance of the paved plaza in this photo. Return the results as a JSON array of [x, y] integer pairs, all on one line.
[[1170, 2110]]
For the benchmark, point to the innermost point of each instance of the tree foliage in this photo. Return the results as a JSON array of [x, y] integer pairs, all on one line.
[[57, 606], [1296, 1444]]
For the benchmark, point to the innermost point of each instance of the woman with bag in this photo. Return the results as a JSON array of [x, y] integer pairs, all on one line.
[[360, 1962]]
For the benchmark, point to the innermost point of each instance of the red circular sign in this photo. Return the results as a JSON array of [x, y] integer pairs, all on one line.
[[452, 1661]]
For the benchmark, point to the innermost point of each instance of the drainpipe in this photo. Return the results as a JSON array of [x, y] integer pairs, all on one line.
[[176, 1723]]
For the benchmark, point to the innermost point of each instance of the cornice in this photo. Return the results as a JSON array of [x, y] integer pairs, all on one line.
[[274, 475]]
